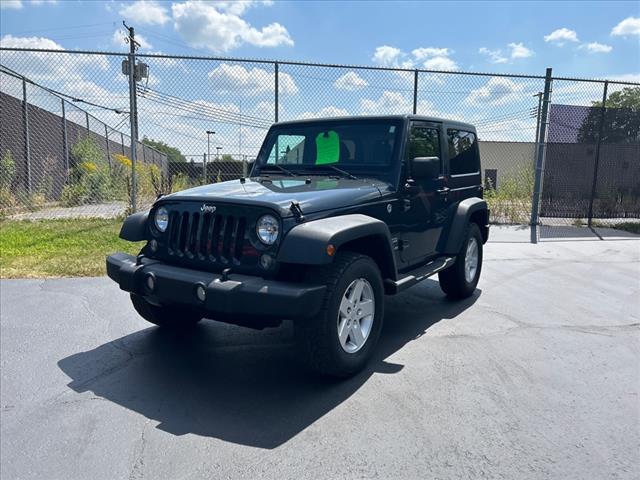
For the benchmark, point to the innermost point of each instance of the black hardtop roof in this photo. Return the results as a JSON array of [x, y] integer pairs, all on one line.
[[424, 118]]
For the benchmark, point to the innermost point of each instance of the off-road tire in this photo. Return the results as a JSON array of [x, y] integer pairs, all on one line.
[[167, 316], [452, 280], [317, 336]]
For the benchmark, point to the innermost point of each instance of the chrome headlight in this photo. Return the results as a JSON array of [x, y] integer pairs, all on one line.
[[161, 219], [268, 229]]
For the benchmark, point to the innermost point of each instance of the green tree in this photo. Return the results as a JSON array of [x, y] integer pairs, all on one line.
[[622, 118], [172, 153], [226, 158]]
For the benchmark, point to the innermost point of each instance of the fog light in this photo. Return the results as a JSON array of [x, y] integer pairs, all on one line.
[[153, 245], [201, 293], [151, 283], [266, 261]]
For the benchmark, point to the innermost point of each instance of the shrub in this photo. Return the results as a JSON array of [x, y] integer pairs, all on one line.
[[7, 170], [73, 195], [7, 202], [511, 201]]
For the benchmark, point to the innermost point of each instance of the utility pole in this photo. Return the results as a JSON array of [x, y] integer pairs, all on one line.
[[133, 116], [204, 165]]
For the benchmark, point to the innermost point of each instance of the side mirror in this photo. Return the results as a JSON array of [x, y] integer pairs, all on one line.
[[425, 167]]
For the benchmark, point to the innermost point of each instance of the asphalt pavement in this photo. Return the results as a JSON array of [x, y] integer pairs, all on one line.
[[536, 376]]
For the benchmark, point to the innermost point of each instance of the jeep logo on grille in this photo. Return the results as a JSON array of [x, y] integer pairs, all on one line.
[[207, 208]]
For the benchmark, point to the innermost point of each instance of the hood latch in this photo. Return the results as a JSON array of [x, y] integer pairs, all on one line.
[[297, 212]]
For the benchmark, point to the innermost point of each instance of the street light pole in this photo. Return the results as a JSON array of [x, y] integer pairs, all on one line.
[[204, 165]]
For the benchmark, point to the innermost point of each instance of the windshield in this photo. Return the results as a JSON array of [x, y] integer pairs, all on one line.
[[335, 146]]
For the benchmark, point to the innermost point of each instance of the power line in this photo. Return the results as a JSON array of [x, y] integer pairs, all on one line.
[[9, 71], [202, 109]]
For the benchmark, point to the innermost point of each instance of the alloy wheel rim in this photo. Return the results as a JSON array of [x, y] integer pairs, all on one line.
[[355, 316], [471, 260]]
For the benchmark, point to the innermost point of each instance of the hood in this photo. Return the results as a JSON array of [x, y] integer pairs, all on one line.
[[320, 193]]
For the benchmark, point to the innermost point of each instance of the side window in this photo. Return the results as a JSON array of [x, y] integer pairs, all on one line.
[[423, 142], [463, 152]]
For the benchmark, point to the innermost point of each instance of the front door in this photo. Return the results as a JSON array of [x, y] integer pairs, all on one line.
[[425, 200]]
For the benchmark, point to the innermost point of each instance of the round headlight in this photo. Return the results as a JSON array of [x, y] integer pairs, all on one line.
[[161, 219], [268, 229]]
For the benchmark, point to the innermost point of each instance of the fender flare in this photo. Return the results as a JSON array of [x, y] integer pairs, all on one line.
[[462, 215], [134, 228], [307, 242]]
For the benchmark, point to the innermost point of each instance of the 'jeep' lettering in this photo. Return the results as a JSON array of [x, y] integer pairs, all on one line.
[[207, 208]]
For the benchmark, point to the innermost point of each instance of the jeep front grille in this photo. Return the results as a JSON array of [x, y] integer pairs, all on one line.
[[206, 236]]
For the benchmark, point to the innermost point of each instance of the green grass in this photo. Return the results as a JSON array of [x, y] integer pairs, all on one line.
[[59, 248]]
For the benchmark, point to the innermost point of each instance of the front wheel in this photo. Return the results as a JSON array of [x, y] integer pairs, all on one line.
[[460, 280], [169, 316], [341, 338]]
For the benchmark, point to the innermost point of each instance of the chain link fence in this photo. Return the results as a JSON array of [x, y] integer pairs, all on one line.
[[202, 120]]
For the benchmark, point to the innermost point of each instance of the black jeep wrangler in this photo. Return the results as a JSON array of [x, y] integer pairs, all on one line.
[[336, 214]]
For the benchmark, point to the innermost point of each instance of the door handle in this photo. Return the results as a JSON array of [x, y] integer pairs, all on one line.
[[443, 190]]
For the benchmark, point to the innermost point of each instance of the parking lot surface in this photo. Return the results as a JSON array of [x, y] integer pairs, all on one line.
[[536, 376]]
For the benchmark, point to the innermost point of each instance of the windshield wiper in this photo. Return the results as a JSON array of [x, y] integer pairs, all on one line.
[[278, 167], [344, 173]]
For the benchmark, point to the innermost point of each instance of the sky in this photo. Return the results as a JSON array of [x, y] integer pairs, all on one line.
[[577, 39]]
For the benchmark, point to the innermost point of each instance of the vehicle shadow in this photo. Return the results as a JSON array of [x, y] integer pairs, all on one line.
[[237, 384]]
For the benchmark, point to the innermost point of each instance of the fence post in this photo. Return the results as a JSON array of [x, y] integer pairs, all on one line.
[[65, 141], [540, 153], [86, 115], [415, 92], [106, 138], [597, 152], [204, 168], [124, 153], [27, 144], [277, 106]]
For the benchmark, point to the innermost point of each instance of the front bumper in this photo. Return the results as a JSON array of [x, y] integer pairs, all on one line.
[[239, 296]]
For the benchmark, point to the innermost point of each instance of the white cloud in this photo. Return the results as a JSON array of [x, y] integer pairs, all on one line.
[[561, 35], [229, 78], [350, 82], [628, 26], [388, 103], [428, 52], [329, 111], [497, 91], [219, 28], [518, 50], [440, 63], [238, 7], [46, 66], [145, 12], [595, 47], [118, 40], [495, 56], [387, 56], [42, 2], [433, 58], [11, 4]]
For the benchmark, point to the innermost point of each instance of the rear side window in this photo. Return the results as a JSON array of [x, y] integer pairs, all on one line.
[[463, 152]]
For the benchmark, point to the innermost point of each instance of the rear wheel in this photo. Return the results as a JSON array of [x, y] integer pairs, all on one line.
[[169, 316], [460, 280], [341, 338]]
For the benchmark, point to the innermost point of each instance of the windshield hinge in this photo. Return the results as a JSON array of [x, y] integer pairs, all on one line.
[[297, 212]]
